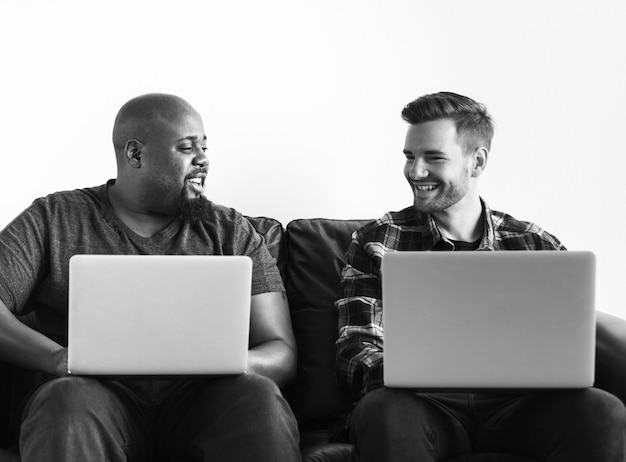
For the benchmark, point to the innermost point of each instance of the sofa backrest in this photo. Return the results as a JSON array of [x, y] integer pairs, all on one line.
[[315, 258], [310, 256]]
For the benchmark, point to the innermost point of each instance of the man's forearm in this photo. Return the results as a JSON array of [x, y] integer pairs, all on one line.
[[27, 348], [359, 367], [275, 360]]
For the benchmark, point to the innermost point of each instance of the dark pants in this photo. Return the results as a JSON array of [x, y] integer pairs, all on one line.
[[561, 426], [239, 418]]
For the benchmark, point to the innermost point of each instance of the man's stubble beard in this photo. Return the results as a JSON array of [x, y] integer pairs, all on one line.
[[454, 193]]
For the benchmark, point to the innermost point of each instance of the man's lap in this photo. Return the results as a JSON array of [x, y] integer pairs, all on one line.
[[526, 423], [168, 415]]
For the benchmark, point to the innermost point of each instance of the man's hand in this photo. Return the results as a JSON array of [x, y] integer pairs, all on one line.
[[58, 361], [27, 348]]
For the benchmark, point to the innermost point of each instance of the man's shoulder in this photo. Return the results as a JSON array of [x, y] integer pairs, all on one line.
[[73, 196], [510, 231], [396, 218], [69, 202], [405, 219], [218, 213], [505, 223], [225, 220]]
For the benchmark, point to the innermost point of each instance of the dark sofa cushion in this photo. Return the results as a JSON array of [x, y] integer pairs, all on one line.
[[315, 258]]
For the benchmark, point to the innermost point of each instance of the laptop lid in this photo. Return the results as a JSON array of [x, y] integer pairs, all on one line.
[[158, 314], [506, 319]]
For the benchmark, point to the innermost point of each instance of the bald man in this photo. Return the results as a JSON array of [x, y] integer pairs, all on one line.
[[156, 205]]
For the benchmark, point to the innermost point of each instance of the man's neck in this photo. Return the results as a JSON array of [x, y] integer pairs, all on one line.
[[143, 223], [461, 222]]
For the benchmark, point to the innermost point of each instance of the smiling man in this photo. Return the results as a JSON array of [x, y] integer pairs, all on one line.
[[446, 148], [156, 205]]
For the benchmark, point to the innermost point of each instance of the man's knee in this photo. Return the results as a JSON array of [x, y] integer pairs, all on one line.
[[254, 387], [386, 401], [249, 395], [265, 396], [388, 408], [68, 418], [255, 406], [68, 396], [259, 385], [601, 411], [594, 420]]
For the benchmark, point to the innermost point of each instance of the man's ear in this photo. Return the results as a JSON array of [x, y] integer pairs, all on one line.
[[132, 152], [480, 161]]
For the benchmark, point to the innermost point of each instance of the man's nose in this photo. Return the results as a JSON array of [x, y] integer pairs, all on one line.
[[418, 169], [201, 157]]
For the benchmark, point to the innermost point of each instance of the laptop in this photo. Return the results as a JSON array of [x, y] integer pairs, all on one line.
[[158, 314], [489, 320]]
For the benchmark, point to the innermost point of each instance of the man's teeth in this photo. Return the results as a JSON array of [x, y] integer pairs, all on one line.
[[197, 181], [426, 187]]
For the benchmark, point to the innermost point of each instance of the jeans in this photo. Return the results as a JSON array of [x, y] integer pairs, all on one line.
[[556, 426], [239, 418]]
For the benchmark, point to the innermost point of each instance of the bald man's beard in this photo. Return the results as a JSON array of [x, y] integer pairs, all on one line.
[[193, 209]]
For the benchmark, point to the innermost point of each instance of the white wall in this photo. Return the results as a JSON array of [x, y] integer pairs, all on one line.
[[301, 102]]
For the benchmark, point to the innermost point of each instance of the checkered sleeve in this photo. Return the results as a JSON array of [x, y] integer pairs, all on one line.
[[360, 343]]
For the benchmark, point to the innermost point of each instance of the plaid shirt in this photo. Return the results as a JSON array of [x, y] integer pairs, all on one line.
[[360, 343]]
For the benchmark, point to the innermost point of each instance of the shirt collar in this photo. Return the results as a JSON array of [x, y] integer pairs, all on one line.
[[489, 234], [432, 235]]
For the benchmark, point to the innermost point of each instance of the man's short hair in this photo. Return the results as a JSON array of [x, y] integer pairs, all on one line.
[[473, 123]]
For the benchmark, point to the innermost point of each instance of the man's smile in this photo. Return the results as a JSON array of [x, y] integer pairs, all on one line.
[[425, 187], [197, 183]]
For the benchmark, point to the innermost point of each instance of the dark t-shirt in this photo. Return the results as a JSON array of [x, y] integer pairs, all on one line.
[[35, 249]]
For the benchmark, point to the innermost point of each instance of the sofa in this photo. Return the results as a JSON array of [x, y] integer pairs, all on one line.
[[310, 254]]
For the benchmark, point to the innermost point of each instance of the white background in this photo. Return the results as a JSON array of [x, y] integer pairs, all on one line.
[[301, 102]]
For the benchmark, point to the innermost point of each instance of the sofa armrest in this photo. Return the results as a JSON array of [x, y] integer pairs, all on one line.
[[611, 354]]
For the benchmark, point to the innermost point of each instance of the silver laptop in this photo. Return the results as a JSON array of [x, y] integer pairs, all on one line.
[[506, 319], [158, 315]]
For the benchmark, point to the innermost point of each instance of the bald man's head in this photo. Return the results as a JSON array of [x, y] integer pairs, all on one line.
[[160, 147], [139, 117]]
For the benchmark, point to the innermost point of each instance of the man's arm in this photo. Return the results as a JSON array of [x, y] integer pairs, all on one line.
[[23, 258], [27, 348], [359, 366], [273, 351]]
